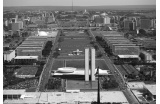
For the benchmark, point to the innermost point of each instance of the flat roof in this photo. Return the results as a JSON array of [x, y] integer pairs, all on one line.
[[123, 44], [26, 57], [114, 38], [8, 52], [63, 97], [32, 46], [126, 50], [128, 46], [32, 25], [128, 56], [35, 42], [139, 96], [112, 35], [151, 88], [35, 39], [28, 47], [28, 70], [12, 92], [117, 40], [136, 85], [120, 41]]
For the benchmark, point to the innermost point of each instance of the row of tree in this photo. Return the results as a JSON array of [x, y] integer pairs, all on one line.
[[103, 44], [47, 49]]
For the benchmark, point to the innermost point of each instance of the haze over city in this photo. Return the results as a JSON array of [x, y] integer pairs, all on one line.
[[76, 2]]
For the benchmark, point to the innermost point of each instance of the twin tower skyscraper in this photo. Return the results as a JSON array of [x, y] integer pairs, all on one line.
[[90, 55]]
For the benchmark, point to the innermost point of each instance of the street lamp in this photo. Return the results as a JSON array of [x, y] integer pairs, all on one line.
[[98, 93]]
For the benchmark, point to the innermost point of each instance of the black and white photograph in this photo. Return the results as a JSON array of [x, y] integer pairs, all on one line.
[[79, 51]]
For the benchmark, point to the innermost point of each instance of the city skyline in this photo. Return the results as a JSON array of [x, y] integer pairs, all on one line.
[[76, 2]]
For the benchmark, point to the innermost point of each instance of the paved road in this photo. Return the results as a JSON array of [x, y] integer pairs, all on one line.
[[47, 68], [118, 76], [112, 67]]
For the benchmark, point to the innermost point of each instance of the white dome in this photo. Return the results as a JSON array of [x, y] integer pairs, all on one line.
[[104, 14], [42, 33]]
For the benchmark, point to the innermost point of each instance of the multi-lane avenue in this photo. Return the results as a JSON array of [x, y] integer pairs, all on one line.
[[118, 76], [47, 68]]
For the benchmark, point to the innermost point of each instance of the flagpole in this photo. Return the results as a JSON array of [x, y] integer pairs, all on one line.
[[98, 94]]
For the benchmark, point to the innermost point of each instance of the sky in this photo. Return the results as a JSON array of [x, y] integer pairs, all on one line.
[[76, 2]]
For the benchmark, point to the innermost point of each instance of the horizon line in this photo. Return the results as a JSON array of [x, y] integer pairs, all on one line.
[[79, 6]]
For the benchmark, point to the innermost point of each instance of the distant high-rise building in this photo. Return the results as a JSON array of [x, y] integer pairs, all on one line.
[[117, 18], [98, 20], [112, 20], [130, 18], [106, 20], [145, 23], [132, 26], [10, 26], [127, 24], [13, 20], [43, 15], [51, 15], [20, 24], [94, 16], [153, 23], [47, 14], [6, 22], [17, 26], [137, 21]]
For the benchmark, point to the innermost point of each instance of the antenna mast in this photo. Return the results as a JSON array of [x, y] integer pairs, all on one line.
[[72, 5]]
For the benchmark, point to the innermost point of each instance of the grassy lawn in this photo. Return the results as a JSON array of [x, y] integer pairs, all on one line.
[[57, 64], [73, 41]]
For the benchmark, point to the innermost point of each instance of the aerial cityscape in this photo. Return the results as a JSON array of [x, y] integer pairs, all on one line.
[[78, 54]]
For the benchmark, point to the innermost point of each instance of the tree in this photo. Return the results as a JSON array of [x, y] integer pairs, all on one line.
[[56, 54], [109, 84], [142, 31], [154, 57], [99, 54], [142, 56], [96, 47], [47, 49], [92, 42]]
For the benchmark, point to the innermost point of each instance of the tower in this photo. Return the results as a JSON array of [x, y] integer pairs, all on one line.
[[72, 5], [87, 64], [92, 70], [93, 64]]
